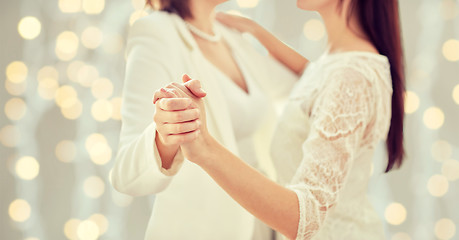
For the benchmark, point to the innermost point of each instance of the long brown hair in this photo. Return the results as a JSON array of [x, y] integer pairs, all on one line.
[[380, 21], [181, 7]]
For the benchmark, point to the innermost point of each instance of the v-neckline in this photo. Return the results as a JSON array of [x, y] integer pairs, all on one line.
[[236, 60], [196, 47]]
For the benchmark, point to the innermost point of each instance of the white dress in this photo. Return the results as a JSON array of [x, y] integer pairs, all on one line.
[[324, 143]]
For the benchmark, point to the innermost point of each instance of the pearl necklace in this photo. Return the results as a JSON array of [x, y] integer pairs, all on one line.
[[211, 38]]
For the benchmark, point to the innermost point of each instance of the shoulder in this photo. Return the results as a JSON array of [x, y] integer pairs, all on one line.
[[158, 25], [356, 67]]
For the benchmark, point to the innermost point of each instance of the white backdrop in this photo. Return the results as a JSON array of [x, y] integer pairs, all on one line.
[[62, 63]]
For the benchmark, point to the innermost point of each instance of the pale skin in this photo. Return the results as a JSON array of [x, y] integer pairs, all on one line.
[[270, 202]]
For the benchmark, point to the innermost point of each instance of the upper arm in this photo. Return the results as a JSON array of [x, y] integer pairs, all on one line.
[[148, 68], [137, 170], [338, 122]]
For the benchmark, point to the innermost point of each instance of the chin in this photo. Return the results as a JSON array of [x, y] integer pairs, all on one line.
[[312, 5]]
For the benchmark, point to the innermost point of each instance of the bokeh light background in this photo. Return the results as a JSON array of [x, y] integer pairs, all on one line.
[[62, 67]]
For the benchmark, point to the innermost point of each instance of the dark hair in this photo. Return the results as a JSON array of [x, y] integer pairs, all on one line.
[[181, 7], [380, 21]]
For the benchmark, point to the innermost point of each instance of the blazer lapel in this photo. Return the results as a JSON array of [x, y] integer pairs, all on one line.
[[215, 102], [251, 64]]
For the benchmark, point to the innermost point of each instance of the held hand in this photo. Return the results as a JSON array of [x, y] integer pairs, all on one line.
[[181, 118], [242, 24], [177, 120]]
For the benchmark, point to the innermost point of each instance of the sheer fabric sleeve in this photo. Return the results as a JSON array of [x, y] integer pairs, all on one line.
[[338, 121], [138, 168]]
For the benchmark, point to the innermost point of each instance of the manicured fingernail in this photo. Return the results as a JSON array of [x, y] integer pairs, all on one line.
[[163, 90]]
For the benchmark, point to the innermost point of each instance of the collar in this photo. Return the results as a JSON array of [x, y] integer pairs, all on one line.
[[188, 38]]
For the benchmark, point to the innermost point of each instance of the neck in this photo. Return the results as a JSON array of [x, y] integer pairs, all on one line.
[[342, 32], [203, 15]]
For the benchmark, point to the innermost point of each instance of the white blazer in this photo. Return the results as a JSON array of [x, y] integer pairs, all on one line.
[[188, 204]]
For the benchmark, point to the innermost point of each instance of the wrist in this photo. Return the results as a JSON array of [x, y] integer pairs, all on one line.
[[208, 149]]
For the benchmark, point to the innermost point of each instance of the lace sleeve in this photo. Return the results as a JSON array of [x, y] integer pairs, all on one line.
[[338, 121]]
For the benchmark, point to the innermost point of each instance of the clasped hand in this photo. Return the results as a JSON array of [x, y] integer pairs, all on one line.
[[180, 117]]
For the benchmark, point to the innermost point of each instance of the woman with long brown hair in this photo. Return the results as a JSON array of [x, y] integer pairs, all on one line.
[[346, 102]]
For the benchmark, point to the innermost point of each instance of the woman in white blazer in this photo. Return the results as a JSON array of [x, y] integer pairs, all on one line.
[[160, 48]]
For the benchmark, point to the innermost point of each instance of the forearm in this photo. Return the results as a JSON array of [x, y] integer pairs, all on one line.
[[275, 205], [279, 50]]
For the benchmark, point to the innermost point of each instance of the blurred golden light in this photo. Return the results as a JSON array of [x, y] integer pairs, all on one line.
[[235, 12], [441, 150], [101, 222], [87, 74], [450, 169], [434, 118], [66, 45], [93, 6], [27, 168], [19, 210], [113, 44], [66, 151], [93, 139], [136, 16], [70, 6], [9, 136], [395, 213], [456, 94], [401, 236], [451, 50], [94, 187], [92, 37], [15, 89], [449, 9], [88, 230], [15, 109], [70, 228], [73, 69], [73, 111], [247, 3], [445, 229], [314, 30], [100, 153], [102, 88], [116, 104], [66, 96], [16, 72], [102, 110], [121, 200], [29, 27], [437, 185], [47, 88], [411, 102], [47, 72]]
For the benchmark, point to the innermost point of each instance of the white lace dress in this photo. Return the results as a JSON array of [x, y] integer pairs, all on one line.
[[324, 143]]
